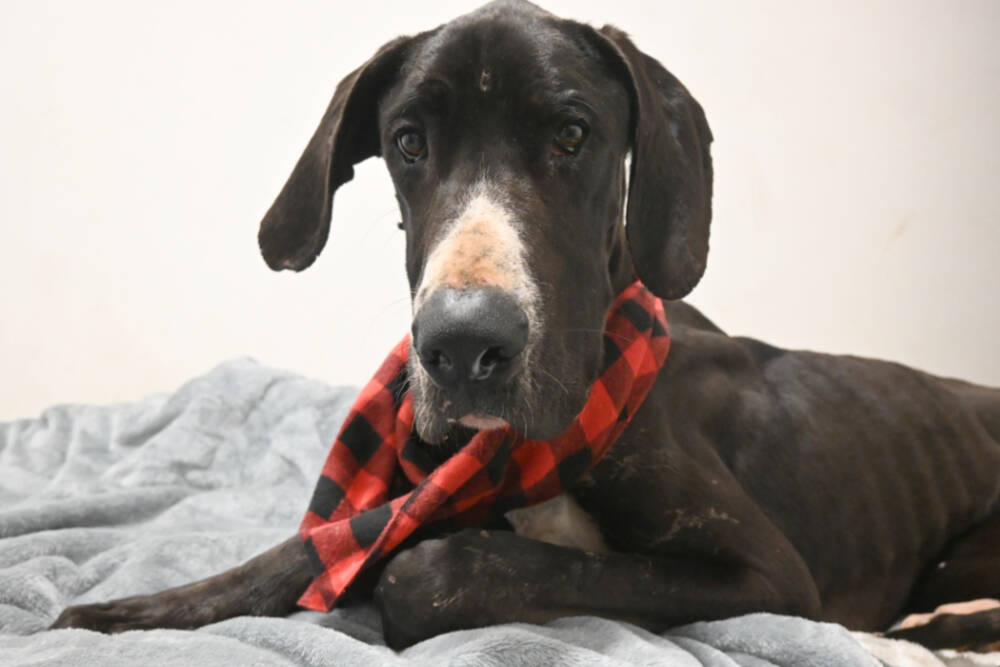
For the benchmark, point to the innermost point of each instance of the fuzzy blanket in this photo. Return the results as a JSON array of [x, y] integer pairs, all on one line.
[[104, 502]]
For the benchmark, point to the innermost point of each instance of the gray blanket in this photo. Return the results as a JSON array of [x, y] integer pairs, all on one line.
[[104, 502]]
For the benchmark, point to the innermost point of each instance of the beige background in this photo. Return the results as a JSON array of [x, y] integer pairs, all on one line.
[[857, 161]]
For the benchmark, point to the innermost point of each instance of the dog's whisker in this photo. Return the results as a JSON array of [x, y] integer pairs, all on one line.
[[387, 309], [525, 414], [556, 380]]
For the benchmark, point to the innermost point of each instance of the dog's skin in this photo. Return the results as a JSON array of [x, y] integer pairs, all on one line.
[[751, 479]]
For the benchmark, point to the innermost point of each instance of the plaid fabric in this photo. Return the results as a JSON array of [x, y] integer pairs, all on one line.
[[352, 521]]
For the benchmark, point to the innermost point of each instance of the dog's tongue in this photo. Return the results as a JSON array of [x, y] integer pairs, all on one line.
[[482, 422]]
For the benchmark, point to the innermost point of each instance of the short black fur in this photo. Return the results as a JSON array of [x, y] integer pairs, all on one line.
[[752, 478]]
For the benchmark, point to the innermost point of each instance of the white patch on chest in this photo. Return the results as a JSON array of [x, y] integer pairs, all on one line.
[[559, 521]]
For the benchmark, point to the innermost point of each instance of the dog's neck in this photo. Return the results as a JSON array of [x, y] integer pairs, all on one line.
[[621, 271]]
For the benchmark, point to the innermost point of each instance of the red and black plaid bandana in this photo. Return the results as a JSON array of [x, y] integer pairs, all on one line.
[[352, 521]]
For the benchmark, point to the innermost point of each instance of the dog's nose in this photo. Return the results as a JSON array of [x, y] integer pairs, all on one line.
[[470, 336]]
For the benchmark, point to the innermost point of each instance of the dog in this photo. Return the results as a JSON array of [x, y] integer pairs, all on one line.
[[751, 479]]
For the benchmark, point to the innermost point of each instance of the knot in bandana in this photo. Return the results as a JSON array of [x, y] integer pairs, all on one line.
[[352, 521]]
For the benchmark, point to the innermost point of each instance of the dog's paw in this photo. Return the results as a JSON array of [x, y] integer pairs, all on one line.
[[137, 613]]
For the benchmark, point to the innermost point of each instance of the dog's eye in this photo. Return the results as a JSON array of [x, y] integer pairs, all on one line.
[[411, 144], [570, 137]]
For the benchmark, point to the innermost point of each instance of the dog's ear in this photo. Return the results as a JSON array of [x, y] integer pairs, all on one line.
[[295, 228], [670, 191]]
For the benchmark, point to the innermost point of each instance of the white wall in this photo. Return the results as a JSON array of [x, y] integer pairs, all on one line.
[[856, 204]]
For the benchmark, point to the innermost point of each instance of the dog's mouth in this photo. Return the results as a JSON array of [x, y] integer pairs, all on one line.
[[438, 413], [459, 386], [481, 422], [536, 407]]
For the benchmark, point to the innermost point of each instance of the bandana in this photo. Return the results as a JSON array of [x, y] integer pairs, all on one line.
[[379, 484]]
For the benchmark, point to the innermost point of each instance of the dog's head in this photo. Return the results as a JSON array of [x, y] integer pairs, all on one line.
[[505, 132]]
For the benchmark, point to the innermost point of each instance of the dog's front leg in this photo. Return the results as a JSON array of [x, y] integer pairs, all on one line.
[[267, 585], [477, 578]]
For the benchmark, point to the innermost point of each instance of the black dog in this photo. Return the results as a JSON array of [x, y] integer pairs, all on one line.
[[752, 478]]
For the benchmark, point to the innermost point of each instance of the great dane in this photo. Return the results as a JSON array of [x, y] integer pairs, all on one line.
[[751, 479]]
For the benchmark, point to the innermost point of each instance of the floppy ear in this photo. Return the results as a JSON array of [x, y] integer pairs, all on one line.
[[295, 228], [670, 190]]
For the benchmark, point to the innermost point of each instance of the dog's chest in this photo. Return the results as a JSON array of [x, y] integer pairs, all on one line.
[[559, 521]]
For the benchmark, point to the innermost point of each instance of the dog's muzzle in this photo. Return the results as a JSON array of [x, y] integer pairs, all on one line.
[[470, 340]]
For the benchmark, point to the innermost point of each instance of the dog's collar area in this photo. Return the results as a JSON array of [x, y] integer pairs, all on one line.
[[353, 518]]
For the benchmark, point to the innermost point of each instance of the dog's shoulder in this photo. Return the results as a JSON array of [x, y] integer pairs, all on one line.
[[704, 357]]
